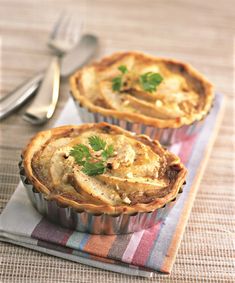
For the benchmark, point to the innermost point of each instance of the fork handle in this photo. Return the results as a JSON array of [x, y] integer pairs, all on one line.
[[44, 103], [19, 95]]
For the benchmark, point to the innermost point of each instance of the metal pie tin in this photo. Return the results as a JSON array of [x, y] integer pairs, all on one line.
[[83, 221], [165, 136]]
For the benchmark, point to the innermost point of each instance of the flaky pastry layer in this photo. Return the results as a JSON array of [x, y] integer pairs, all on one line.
[[183, 97], [141, 175]]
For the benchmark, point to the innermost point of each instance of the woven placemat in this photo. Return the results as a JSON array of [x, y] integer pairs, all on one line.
[[186, 210]]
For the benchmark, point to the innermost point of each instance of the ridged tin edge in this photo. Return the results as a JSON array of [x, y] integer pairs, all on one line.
[[165, 136], [91, 223]]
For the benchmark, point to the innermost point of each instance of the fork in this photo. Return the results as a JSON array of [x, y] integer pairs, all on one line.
[[22, 93], [62, 39]]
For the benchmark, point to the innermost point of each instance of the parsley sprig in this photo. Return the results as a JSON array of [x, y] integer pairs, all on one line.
[[123, 69], [149, 81], [94, 168], [97, 143], [92, 165], [117, 82], [81, 153], [108, 152]]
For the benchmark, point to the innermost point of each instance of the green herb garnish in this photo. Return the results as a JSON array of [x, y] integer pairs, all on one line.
[[108, 152], [117, 82], [94, 168], [80, 153], [92, 165], [96, 143], [149, 81], [123, 69]]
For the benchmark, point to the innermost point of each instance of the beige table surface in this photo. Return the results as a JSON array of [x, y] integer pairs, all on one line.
[[199, 32]]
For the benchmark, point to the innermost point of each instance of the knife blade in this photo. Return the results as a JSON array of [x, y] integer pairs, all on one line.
[[70, 62]]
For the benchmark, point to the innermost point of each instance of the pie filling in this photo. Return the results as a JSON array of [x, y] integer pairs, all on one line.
[[154, 88], [101, 166]]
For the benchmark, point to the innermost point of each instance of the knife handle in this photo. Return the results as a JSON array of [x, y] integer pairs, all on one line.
[[19, 95], [43, 105]]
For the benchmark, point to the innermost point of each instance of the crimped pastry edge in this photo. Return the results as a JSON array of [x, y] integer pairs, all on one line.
[[139, 118], [38, 140], [94, 223], [166, 136]]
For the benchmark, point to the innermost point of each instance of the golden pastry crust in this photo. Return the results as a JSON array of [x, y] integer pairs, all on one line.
[[48, 149], [184, 96]]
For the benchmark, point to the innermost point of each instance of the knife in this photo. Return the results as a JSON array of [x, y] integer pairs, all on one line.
[[70, 62], [43, 105]]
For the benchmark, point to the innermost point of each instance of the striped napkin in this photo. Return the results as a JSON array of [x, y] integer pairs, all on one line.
[[140, 253]]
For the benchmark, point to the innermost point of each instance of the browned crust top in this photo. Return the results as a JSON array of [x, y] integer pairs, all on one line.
[[206, 89], [38, 141]]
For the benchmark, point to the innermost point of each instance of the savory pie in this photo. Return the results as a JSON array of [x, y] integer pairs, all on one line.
[[139, 88], [101, 168]]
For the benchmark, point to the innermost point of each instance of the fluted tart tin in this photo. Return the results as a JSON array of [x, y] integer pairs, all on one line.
[[166, 136], [84, 221], [118, 89]]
